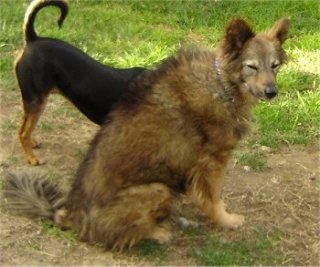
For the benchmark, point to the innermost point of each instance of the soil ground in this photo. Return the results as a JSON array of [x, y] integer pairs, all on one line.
[[283, 197]]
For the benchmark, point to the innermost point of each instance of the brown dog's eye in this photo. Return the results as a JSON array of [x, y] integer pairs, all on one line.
[[275, 67], [252, 67]]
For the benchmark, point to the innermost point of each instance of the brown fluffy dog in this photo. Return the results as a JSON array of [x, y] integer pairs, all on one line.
[[173, 132]]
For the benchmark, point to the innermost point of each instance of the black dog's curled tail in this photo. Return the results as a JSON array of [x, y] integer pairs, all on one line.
[[32, 11], [32, 196]]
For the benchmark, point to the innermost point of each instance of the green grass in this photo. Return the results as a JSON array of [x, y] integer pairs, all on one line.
[[46, 126], [130, 33], [151, 250], [293, 119], [34, 245], [52, 229], [255, 160], [52, 176], [260, 250], [12, 158], [234, 249], [9, 125]]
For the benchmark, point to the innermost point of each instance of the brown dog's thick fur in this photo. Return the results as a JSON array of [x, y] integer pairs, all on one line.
[[174, 131]]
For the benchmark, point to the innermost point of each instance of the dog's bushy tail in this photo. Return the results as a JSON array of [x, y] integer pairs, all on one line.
[[32, 196], [32, 11]]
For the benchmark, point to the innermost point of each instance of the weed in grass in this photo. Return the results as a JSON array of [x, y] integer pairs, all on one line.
[[80, 153], [46, 126], [66, 110], [8, 83], [33, 244], [52, 177], [60, 107], [12, 159], [255, 160], [2, 206], [2, 182], [9, 125], [196, 232], [52, 229]]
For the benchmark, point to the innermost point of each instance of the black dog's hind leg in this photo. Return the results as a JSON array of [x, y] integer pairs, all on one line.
[[34, 102]]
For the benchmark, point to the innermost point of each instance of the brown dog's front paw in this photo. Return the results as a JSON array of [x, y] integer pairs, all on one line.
[[232, 220], [225, 219]]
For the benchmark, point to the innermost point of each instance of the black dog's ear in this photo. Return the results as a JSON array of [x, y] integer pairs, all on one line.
[[279, 30], [237, 34]]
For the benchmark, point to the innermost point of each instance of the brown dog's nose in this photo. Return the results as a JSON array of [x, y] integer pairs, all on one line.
[[270, 91]]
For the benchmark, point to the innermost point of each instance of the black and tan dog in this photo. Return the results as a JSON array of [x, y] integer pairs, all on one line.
[[173, 131], [49, 65]]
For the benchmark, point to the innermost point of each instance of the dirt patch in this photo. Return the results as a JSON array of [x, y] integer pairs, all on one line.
[[283, 198]]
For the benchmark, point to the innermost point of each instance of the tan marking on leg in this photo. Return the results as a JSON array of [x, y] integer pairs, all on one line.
[[29, 122], [205, 190]]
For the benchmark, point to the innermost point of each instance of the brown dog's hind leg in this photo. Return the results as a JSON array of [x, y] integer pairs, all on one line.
[[29, 122], [133, 214], [205, 186]]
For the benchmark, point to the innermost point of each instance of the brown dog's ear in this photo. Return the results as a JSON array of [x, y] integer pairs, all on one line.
[[238, 33], [280, 29]]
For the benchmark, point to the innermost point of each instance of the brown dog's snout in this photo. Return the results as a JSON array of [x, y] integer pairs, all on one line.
[[270, 91]]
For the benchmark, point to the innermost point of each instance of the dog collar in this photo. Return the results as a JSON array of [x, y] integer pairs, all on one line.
[[227, 94]]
